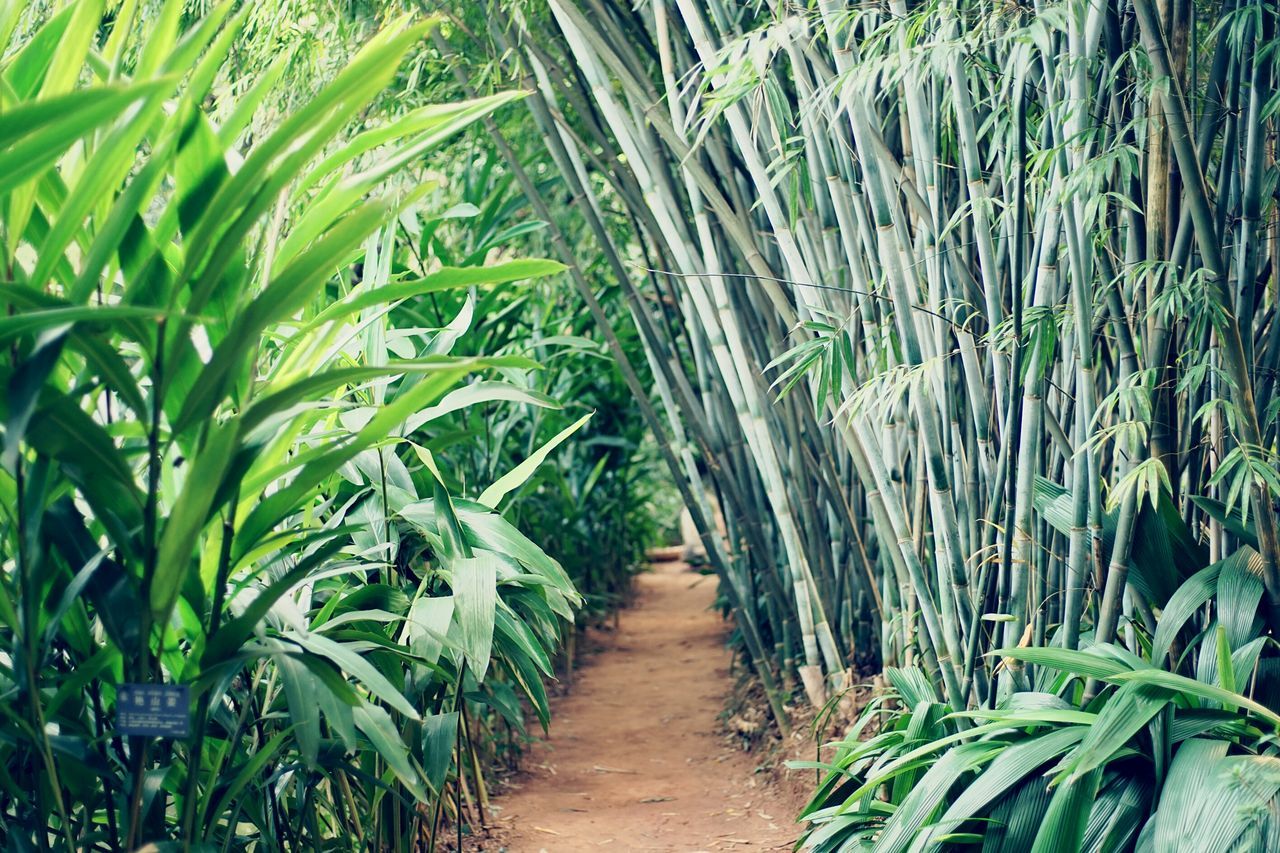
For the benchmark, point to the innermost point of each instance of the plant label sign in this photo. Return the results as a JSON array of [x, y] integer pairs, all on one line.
[[154, 710]]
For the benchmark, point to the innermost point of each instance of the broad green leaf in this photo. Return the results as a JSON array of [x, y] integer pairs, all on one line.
[[1239, 591], [454, 545], [381, 731], [277, 399], [428, 625], [73, 47], [1183, 605], [301, 689], [114, 157], [1218, 511], [28, 322], [1068, 660], [276, 160], [34, 153], [428, 126], [250, 770], [189, 515], [516, 477], [475, 394], [1124, 715], [236, 631], [83, 108], [355, 665], [485, 529], [449, 278], [918, 807], [439, 734], [25, 71], [1180, 684], [284, 295], [1204, 805], [437, 120], [475, 594], [1118, 812], [279, 504], [1068, 816], [162, 34], [1015, 763]]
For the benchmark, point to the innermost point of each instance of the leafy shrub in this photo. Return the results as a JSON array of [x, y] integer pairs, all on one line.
[[1106, 752], [216, 471]]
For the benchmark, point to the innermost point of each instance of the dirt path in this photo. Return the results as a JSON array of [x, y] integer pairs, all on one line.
[[635, 760]]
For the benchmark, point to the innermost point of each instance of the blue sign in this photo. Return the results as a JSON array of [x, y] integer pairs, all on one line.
[[154, 710]]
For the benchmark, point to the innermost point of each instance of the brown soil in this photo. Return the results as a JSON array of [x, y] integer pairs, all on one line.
[[637, 758]]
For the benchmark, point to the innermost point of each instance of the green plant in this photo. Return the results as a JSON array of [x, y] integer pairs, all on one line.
[[1157, 761], [974, 248], [591, 505], [214, 463]]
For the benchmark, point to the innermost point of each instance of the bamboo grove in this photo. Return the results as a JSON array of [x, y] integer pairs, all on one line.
[[962, 314], [966, 315], [965, 312]]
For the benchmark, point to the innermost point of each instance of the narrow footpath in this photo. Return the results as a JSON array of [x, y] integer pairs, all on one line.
[[635, 759]]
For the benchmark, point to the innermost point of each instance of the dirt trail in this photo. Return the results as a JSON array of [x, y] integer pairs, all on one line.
[[635, 760]]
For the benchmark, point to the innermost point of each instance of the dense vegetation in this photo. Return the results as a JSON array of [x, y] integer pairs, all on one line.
[[280, 400], [968, 316], [964, 315]]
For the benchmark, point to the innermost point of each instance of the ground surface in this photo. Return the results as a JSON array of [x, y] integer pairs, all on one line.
[[636, 759]]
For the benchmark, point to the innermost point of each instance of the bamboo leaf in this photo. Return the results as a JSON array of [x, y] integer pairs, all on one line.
[[517, 476], [449, 278], [355, 665], [377, 726], [1124, 715], [1067, 819], [475, 593], [1180, 684]]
